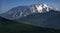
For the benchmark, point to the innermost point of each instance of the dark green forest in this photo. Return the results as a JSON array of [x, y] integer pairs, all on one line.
[[10, 26]]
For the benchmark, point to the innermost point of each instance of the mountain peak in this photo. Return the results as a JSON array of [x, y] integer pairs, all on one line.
[[41, 8], [44, 5], [27, 10]]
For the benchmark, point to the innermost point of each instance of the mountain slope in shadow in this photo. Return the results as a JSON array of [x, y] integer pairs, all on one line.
[[50, 19]]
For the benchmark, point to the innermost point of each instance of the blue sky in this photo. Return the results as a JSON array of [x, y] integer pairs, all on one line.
[[5, 5]]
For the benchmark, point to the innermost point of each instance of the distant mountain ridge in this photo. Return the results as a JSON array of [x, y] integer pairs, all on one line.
[[22, 11]]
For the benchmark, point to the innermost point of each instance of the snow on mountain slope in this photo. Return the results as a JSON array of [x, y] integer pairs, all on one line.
[[21, 11], [42, 8]]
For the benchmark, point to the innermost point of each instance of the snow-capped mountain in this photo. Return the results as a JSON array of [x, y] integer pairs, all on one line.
[[37, 14], [22, 11], [41, 8]]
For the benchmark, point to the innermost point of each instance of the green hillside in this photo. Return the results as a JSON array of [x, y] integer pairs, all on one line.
[[9, 26]]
